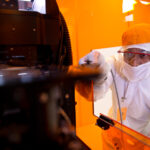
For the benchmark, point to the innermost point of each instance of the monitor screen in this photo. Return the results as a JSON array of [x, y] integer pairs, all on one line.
[[24, 5], [32, 5]]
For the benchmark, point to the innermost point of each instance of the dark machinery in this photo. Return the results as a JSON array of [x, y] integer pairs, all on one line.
[[29, 38], [37, 106], [31, 114]]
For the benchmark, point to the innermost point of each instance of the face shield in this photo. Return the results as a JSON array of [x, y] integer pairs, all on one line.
[[130, 53], [136, 54], [141, 49]]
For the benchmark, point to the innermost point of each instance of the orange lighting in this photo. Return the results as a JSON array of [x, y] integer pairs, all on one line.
[[128, 5], [144, 2]]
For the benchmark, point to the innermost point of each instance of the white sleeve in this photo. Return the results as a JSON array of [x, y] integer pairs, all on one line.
[[102, 84], [101, 88]]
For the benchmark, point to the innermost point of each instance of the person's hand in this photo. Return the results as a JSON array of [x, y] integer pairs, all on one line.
[[96, 60], [93, 59]]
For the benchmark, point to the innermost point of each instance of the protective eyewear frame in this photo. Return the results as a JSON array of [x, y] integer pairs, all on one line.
[[129, 55]]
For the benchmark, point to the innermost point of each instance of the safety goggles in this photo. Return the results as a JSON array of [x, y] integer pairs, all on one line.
[[129, 54]]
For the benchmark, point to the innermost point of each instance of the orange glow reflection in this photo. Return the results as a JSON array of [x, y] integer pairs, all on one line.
[[128, 5], [144, 2]]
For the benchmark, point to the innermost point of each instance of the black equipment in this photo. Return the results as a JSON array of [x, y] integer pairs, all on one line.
[[9, 4], [30, 38], [39, 46], [31, 115]]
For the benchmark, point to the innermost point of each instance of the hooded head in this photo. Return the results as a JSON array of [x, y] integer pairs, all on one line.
[[136, 44], [138, 36], [136, 49]]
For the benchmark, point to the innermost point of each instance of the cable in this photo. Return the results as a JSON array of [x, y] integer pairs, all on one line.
[[117, 96]]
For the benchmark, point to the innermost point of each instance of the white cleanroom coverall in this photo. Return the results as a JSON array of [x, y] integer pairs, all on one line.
[[132, 87]]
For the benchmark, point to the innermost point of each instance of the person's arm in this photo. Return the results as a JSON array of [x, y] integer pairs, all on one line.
[[101, 83]]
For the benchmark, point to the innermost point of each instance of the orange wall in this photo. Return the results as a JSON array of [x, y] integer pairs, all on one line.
[[91, 24], [94, 24]]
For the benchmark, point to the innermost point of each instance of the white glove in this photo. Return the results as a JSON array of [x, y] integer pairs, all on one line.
[[95, 59]]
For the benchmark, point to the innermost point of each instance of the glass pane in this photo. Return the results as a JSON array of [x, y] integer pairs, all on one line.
[[104, 103], [119, 137], [114, 134], [115, 98]]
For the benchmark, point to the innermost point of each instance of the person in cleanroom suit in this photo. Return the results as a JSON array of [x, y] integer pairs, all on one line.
[[39, 6], [129, 73]]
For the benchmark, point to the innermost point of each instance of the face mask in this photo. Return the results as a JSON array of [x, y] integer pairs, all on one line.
[[137, 73]]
